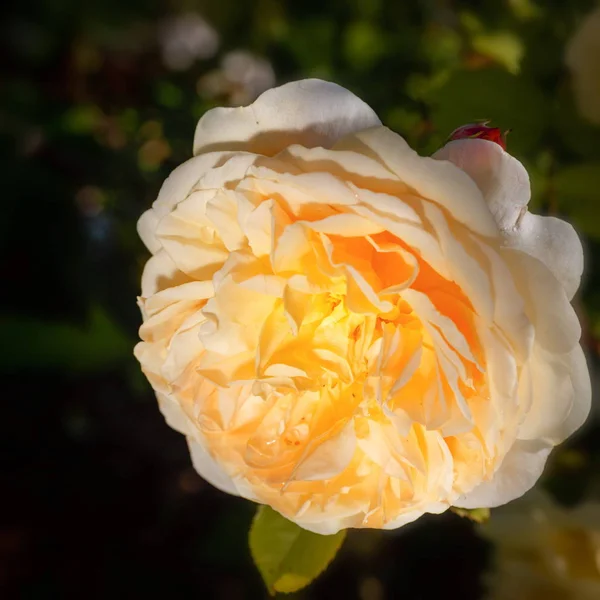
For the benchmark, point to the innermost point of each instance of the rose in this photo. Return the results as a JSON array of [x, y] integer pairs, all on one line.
[[583, 60], [352, 333], [558, 558]]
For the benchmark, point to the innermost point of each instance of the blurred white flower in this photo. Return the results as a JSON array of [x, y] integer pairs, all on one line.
[[543, 551], [241, 78], [583, 60], [253, 74], [186, 38]]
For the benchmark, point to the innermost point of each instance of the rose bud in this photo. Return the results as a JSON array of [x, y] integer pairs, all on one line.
[[480, 131]]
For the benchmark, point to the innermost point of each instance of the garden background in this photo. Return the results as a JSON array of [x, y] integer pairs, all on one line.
[[98, 103]]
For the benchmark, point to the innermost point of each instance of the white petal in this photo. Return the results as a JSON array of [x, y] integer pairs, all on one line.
[[436, 322], [329, 458], [463, 266], [510, 312], [405, 518], [209, 171], [502, 179], [346, 225], [435, 180], [179, 183], [193, 291], [517, 474], [174, 414], [349, 165], [208, 469], [557, 327], [386, 449], [505, 186], [310, 112], [189, 239], [582, 399], [552, 394], [555, 243], [161, 273], [146, 228], [184, 347], [386, 204], [328, 523]]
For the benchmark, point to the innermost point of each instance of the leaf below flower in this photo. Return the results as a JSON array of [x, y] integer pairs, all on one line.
[[478, 515], [287, 556]]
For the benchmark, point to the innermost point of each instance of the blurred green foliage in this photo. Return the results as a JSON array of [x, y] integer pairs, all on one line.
[[105, 96]]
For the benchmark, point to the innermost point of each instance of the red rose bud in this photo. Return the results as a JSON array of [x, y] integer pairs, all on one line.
[[481, 131]]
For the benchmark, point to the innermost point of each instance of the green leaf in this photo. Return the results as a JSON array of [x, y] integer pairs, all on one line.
[[577, 193], [478, 515], [287, 556]]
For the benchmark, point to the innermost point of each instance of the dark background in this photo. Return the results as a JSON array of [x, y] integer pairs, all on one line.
[[98, 102]]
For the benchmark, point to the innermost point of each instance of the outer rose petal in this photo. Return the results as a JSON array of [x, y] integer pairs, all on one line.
[[160, 273], [517, 474], [555, 243], [582, 401], [434, 180], [208, 469], [174, 415], [146, 228], [505, 186], [175, 188], [502, 179], [561, 395], [179, 183], [310, 112]]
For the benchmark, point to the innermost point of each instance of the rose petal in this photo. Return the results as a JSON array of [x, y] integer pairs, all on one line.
[[209, 470], [555, 243], [181, 181], [329, 458], [548, 376], [517, 474], [161, 273], [435, 180], [557, 327], [582, 400], [561, 396], [174, 414], [502, 179], [310, 112], [505, 186], [146, 228]]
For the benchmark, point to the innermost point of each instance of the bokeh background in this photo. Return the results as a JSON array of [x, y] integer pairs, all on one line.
[[98, 103]]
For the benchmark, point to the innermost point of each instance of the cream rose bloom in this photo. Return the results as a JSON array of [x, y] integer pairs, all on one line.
[[352, 333], [583, 60], [545, 552]]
